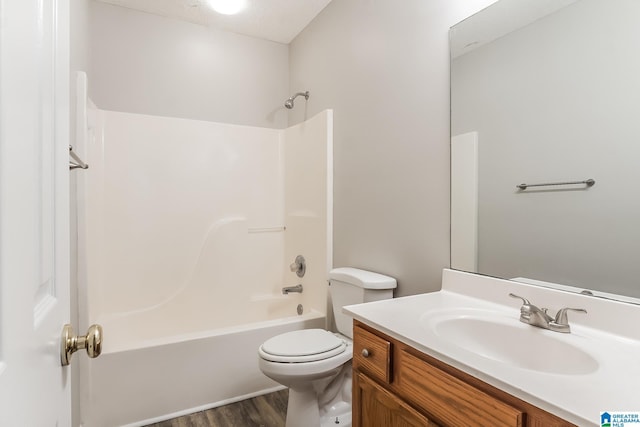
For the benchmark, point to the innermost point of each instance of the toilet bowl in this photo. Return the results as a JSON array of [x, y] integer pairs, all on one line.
[[316, 364], [308, 362]]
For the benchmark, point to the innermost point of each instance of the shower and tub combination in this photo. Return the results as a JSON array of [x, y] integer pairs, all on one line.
[[186, 233]]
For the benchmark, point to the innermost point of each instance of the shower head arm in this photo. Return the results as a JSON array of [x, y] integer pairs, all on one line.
[[305, 94]]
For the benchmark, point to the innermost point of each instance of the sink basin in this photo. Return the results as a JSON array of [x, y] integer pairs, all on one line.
[[511, 342]]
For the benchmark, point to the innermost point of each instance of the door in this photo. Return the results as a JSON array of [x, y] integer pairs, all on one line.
[[34, 212]]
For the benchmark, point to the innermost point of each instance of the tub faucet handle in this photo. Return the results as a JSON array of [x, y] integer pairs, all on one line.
[[299, 266]]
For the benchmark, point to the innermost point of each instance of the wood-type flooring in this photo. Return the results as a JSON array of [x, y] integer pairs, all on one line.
[[269, 410]]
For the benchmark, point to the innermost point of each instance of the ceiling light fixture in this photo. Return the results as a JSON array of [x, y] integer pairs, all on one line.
[[227, 7]]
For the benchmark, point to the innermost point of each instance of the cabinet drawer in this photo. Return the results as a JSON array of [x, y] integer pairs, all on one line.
[[449, 400], [372, 354]]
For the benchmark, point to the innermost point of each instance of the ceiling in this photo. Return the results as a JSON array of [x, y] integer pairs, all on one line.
[[276, 20]]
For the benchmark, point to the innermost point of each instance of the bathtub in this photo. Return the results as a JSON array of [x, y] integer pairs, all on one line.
[[140, 381]]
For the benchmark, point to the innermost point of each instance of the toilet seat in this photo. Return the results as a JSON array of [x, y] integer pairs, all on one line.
[[308, 345]]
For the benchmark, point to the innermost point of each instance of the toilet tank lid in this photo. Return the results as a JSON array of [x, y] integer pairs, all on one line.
[[362, 278]]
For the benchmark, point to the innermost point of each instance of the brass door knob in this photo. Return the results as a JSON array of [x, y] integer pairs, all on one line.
[[92, 342]]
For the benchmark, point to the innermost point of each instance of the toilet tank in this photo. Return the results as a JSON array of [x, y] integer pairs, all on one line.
[[354, 286]]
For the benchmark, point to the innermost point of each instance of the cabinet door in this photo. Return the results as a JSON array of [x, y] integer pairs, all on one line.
[[377, 407]]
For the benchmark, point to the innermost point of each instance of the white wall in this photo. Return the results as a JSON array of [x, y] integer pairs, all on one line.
[[148, 64], [563, 107], [383, 66]]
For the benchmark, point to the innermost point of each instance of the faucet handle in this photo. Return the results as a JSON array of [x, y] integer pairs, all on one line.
[[524, 300], [526, 309], [561, 316], [299, 266]]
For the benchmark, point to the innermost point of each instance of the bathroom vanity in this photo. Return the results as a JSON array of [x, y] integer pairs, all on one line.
[[462, 357], [396, 385]]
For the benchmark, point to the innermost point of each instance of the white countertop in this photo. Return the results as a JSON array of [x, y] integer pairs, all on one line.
[[609, 333]]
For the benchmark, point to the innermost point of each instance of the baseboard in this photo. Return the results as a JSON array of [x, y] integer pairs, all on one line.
[[204, 407]]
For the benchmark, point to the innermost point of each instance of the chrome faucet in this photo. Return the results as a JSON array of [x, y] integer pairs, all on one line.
[[288, 289], [539, 317]]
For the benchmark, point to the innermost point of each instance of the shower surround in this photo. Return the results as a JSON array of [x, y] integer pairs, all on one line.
[[186, 232]]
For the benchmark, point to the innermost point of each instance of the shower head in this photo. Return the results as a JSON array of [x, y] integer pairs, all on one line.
[[289, 102]]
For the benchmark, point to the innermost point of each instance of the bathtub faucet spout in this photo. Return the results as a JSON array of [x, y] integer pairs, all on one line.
[[288, 289]]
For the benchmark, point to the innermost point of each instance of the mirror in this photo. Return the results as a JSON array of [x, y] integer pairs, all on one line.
[[546, 92]]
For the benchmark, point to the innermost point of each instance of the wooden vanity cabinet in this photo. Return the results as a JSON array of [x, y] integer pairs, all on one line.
[[395, 385]]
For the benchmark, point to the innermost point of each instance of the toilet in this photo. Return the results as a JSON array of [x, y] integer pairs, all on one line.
[[316, 364]]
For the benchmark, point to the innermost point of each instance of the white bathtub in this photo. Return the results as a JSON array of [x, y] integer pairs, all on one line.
[[138, 382]]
